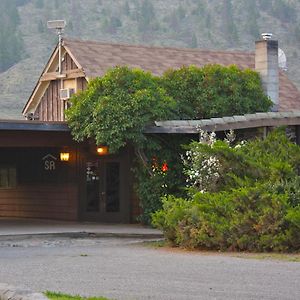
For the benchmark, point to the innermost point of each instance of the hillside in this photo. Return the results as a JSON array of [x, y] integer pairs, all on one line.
[[213, 24]]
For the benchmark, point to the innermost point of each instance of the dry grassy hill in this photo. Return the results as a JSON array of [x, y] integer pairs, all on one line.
[[213, 24]]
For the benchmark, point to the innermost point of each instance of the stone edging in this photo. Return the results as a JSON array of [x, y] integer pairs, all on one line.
[[8, 292]]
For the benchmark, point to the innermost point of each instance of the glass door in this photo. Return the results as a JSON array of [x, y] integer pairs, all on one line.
[[106, 197]]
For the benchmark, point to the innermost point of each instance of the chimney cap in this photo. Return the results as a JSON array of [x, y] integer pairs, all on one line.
[[267, 36]]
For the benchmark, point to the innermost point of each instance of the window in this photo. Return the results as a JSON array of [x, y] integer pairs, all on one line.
[[8, 176]]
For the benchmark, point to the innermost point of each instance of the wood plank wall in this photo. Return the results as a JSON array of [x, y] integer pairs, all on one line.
[[49, 202], [50, 106], [68, 63]]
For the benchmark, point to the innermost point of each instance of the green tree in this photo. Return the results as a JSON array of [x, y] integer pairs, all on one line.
[[215, 91], [39, 4], [146, 16], [194, 41], [229, 26], [11, 43], [115, 109], [252, 15]]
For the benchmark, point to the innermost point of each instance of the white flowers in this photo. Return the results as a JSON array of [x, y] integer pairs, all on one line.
[[201, 169], [205, 137]]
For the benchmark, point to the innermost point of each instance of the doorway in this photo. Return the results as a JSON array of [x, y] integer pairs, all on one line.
[[106, 190]]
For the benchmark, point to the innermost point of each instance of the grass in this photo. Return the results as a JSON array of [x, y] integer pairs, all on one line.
[[60, 296], [270, 256], [290, 257]]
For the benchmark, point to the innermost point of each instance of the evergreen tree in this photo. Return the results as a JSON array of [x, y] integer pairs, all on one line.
[[252, 15], [11, 44], [229, 26]]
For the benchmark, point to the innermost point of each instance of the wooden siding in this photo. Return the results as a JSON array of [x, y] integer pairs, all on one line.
[[50, 106], [81, 84], [68, 63], [59, 202], [35, 139]]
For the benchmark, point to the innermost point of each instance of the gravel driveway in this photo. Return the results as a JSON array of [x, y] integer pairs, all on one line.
[[123, 269]]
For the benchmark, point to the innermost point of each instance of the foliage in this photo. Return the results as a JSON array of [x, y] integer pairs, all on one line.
[[115, 108], [248, 218], [215, 91], [152, 187], [11, 43], [254, 204], [274, 160]]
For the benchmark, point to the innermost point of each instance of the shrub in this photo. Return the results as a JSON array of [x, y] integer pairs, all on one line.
[[253, 204], [250, 218], [215, 91]]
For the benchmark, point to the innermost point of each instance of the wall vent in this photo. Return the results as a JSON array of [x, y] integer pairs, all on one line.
[[66, 94]]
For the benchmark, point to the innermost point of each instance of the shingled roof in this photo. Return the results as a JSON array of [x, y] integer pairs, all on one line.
[[96, 57]]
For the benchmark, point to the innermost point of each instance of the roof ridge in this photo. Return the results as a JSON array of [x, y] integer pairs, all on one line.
[[196, 50]]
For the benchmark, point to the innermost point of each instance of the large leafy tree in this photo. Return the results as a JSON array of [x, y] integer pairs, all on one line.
[[215, 91], [115, 109]]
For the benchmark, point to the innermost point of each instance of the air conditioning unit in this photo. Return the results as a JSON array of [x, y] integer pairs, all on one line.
[[66, 94]]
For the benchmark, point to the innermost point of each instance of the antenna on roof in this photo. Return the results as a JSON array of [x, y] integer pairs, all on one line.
[[59, 25]]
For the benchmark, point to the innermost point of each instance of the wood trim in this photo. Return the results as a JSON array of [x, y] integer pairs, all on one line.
[[70, 74], [254, 123]]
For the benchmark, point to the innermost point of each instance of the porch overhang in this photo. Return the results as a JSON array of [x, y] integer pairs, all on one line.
[[18, 125], [269, 119]]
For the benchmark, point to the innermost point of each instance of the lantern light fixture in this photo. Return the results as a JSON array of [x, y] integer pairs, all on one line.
[[102, 150], [64, 156]]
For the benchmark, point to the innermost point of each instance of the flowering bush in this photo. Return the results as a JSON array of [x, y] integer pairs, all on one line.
[[203, 165], [245, 197]]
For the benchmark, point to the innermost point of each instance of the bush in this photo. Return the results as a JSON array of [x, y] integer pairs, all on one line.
[[215, 91], [253, 204], [250, 218]]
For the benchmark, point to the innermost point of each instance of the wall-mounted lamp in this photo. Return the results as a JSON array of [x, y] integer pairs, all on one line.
[[102, 150], [64, 156]]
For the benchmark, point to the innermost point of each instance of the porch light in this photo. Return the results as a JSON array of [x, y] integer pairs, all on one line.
[[102, 150], [64, 156]]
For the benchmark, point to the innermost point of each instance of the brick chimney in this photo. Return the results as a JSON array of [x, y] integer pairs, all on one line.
[[266, 63]]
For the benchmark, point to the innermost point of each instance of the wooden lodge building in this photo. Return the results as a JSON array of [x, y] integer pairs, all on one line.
[[45, 174]]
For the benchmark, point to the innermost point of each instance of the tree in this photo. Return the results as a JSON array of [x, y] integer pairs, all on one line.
[[11, 43], [229, 27], [115, 108], [215, 91]]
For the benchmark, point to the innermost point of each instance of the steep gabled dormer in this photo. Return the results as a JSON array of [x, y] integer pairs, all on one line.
[[50, 97]]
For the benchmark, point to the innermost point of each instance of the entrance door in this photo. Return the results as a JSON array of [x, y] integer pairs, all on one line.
[[106, 191]]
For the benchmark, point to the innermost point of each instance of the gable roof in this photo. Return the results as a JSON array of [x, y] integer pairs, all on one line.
[[95, 58]]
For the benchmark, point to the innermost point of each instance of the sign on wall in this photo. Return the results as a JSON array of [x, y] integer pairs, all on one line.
[[49, 162]]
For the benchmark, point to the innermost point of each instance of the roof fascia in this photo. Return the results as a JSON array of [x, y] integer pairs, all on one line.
[[28, 105]]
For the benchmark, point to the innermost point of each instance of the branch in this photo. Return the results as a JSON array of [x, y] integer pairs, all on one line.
[[143, 158]]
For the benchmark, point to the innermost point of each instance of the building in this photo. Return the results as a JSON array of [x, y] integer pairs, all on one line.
[[45, 174]]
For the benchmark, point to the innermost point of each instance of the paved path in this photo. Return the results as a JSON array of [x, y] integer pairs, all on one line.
[[36, 226], [123, 269]]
